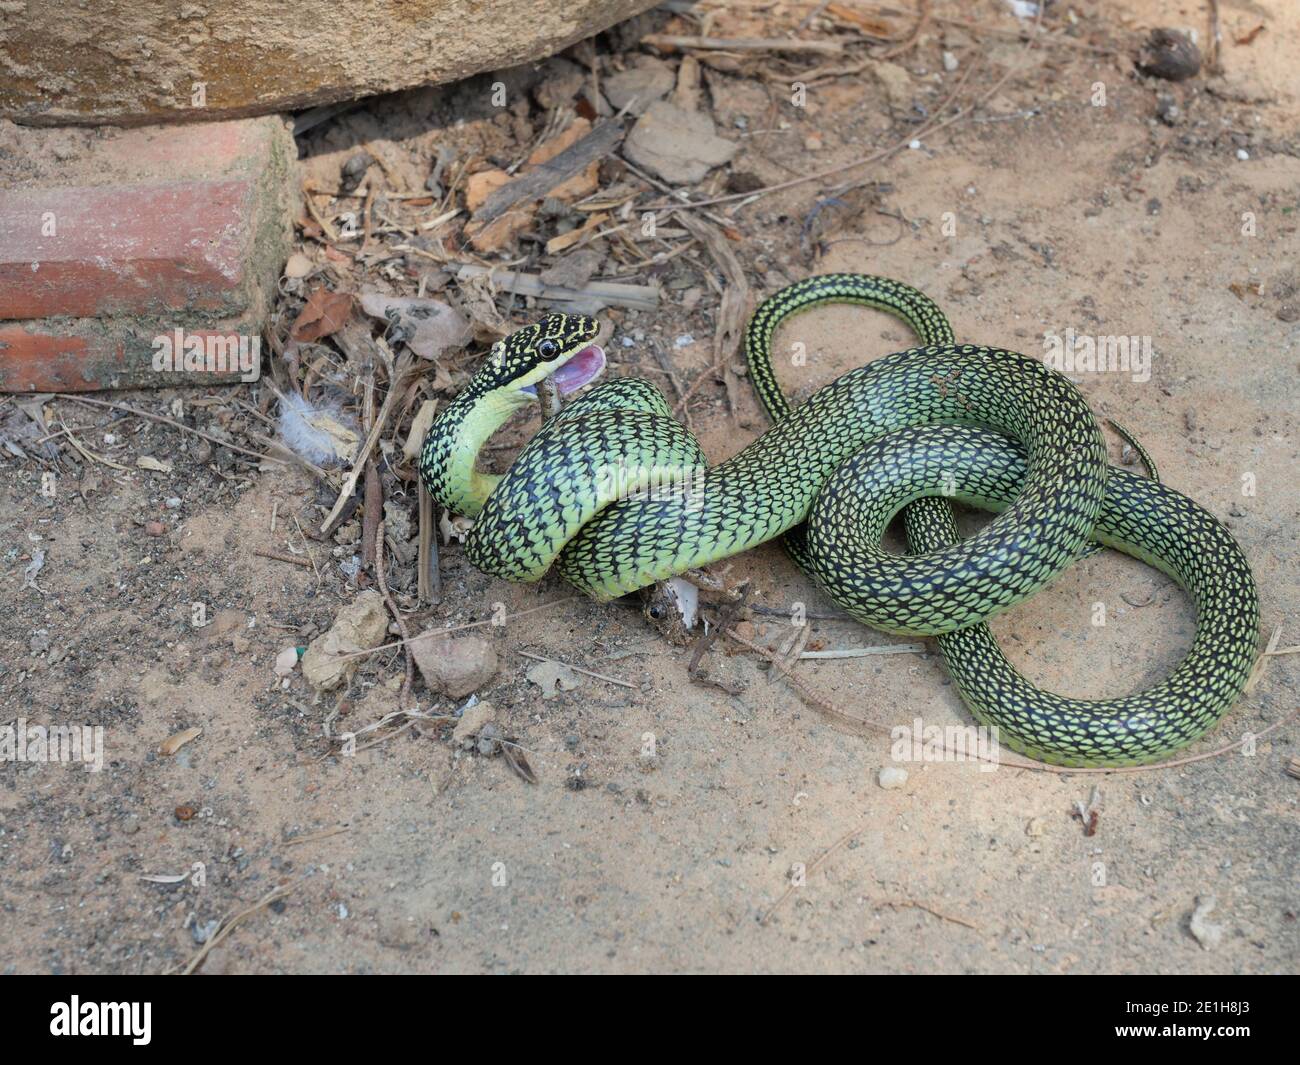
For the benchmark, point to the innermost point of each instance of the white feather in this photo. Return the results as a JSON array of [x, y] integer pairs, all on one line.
[[321, 434]]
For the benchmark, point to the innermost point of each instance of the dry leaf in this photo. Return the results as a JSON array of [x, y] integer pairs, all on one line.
[[567, 240], [478, 187], [583, 183], [174, 743], [148, 462], [298, 265], [876, 27], [431, 327], [326, 312], [553, 678], [419, 426]]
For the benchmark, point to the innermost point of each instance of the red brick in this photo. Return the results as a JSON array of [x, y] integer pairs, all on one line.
[[163, 227], [126, 249], [86, 354]]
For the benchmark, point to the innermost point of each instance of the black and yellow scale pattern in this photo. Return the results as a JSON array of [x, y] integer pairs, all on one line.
[[980, 425]]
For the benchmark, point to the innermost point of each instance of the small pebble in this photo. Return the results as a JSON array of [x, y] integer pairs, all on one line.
[[203, 932], [155, 528], [1169, 54], [892, 777], [1242, 154], [1208, 934]]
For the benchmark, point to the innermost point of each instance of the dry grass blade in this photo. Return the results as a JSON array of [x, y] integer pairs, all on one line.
[[515, 759], [230, 924], [578, 669]]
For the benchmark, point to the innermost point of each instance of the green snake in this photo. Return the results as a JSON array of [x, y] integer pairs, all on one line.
[[617, 494]]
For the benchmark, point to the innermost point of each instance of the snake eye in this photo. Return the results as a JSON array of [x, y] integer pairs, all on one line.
[[548, 349], [656, 612]]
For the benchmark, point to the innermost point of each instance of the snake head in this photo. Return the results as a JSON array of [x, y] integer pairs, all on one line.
[[561, 346]]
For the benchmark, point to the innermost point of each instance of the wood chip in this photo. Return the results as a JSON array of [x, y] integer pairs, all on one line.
[[175, 742]]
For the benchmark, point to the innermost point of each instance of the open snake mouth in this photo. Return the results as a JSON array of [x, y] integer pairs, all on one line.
[[581, 369]]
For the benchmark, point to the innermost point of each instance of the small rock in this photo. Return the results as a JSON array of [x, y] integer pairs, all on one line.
[[285, 661], [456, 667], [743, 181], [949, 62], [1167, 110], [471, 722], [574, 270], [185, 813], [679, 146], [298, 266], [650, 80], [203, 932], [354, 170], [561, 81], [1207, 935], [1169, 54], [359, 626], [155, 528], [892, 777], [1034, 828], [130, 825]]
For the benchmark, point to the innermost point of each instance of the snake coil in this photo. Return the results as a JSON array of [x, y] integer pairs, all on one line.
[[616, 494]]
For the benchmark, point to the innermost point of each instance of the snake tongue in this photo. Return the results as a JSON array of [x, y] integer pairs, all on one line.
[[583, 368]]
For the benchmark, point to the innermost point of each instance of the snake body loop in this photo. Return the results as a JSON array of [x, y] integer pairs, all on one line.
[[616, 494]]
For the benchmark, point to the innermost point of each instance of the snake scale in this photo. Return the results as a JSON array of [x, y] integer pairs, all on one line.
[[616, 494]]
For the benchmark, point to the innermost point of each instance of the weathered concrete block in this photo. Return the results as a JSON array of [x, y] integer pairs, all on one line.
[[133, 61]]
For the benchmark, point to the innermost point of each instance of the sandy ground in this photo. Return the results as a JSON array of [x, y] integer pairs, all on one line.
[[1098, 219]]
